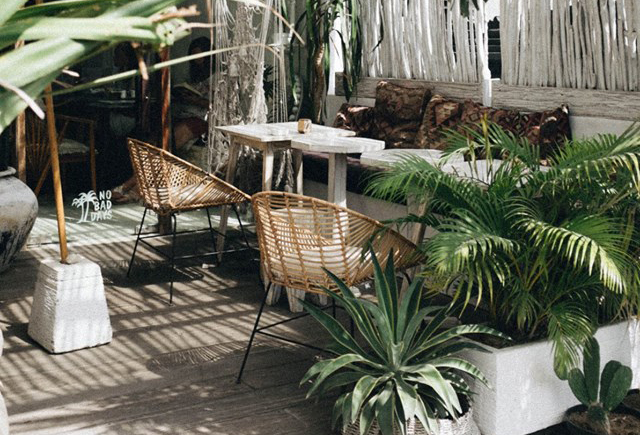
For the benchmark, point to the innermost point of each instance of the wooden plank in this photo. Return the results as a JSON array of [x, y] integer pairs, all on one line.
[[455, 91], [581, 102]]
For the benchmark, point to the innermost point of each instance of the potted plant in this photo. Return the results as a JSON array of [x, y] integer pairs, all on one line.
[[600, 395], [545, 252], [407, 377]]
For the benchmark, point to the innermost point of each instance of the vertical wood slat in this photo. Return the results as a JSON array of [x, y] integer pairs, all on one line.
[[427, 39], [585, 44]]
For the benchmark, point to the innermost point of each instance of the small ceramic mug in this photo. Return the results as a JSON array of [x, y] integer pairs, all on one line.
[[304, 126]]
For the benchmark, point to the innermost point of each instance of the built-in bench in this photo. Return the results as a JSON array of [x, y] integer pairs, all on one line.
[[413, 114]]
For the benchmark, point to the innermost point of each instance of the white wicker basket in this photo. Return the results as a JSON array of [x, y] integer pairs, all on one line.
[[465, 425]]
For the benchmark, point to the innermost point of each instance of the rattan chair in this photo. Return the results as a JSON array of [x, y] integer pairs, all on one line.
[[299, 237], [169, 185], [70, 150]]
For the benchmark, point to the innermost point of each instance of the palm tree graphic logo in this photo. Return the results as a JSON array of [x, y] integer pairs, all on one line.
[[84, 201]]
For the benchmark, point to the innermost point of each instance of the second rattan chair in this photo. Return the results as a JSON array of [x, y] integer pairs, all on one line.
[[299, 237], [169, 185]]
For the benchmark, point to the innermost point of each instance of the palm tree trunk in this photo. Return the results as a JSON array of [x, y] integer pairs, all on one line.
[[318, 86]]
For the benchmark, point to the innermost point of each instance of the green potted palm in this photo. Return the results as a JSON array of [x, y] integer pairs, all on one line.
[[548, 254], [406, 376]]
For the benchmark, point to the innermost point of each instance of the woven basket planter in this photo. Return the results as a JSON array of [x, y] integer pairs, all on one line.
[[464, 426]]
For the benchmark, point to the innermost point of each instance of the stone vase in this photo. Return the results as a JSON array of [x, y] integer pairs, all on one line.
[[18, 211]]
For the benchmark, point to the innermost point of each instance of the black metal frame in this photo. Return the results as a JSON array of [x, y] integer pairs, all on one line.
[[172, 258], [261, 329]]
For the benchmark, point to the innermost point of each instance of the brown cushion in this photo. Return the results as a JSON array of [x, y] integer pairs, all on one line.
[[398, 103], [398, 114], [474, 113], [355, 118], [547, 129], [396, 135], [440, 115]]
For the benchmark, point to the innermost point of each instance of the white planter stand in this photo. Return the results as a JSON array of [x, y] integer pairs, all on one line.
[[525, 395], [69, 306]]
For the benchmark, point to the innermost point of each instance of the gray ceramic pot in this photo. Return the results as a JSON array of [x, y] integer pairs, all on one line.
[[18, 211]]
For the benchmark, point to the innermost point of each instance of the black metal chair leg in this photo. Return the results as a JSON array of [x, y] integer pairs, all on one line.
[[173, 258], [253, 334], [213, 237], [135, 248], [244, 235]]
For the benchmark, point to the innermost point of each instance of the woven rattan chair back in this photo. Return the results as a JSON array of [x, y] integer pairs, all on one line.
[[300, 236], [38, 148], [169, 184]]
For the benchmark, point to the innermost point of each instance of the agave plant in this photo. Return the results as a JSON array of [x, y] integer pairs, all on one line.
[[546, 251], [408, 366]]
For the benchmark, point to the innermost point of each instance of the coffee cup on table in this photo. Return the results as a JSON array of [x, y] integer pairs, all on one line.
[[304, 126]]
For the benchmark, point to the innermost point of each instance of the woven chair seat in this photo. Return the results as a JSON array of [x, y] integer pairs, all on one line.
[[300, 236], [169, 184]]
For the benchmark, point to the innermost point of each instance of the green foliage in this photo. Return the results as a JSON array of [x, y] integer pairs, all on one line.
[[546, 251], [316, 25], [408, 365], [614, 383], [465, 4], [62, 33]]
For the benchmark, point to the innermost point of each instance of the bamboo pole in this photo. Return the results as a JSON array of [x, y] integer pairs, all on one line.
[[164, 222], [21, 146], [21, 140], [55, 170], [166, 102]]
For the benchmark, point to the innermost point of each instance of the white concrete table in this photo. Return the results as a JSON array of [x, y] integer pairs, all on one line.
[[337, 148], [268, 138]]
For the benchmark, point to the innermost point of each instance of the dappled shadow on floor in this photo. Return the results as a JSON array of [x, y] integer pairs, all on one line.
[[169, 368]]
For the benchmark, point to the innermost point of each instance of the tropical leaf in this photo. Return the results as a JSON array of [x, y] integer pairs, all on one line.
[[400, 382]]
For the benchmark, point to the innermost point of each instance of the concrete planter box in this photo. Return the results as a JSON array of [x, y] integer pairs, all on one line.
[[525, 395]]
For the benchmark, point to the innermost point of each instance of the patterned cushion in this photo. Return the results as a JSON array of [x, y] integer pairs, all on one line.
[[440, 115], [399, 103], [396, 135], [398, 114], [547, 129], [473, 113], [355, 118]]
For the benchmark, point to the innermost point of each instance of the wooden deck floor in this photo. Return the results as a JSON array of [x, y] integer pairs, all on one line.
[[169, 369]]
